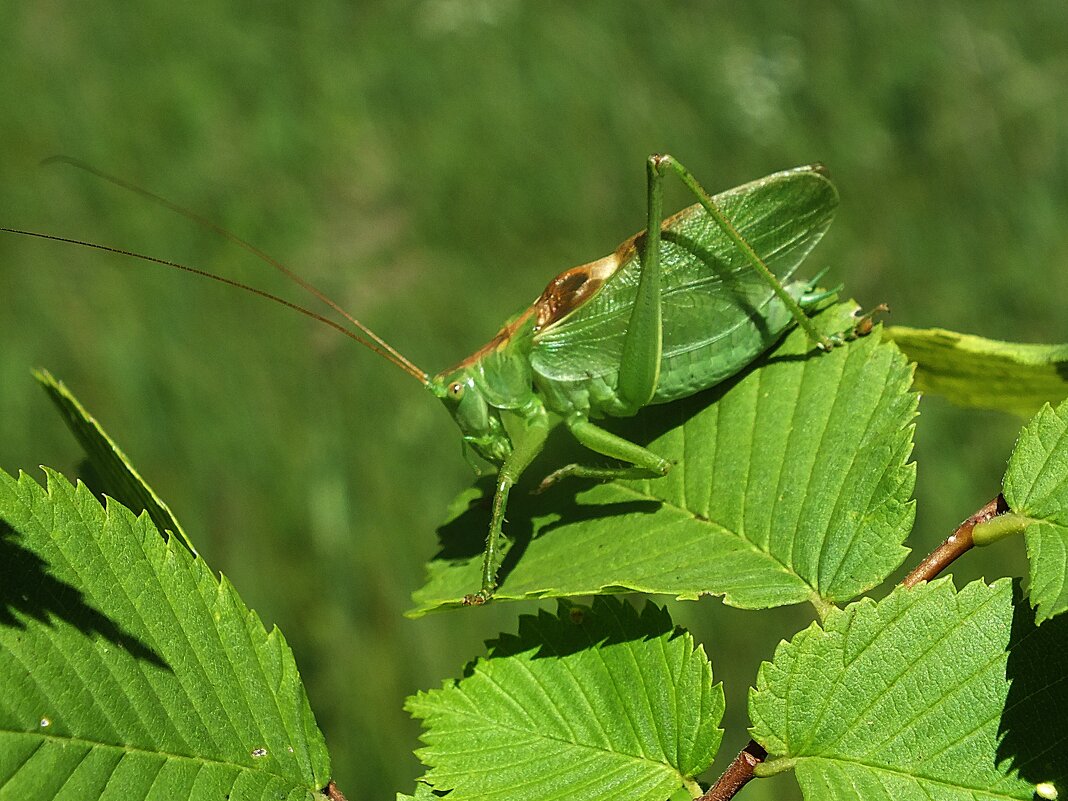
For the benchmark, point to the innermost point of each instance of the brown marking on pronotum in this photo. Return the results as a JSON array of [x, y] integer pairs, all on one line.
[[569, 290], [561, 295], [565, 293], [498, 339]]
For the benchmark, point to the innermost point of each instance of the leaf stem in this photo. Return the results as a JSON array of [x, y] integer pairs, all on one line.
[[999, 527], [822, 607], [958, 543], [738, 773]]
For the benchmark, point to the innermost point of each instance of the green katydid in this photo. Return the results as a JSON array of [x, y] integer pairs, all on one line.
[[678, 308]]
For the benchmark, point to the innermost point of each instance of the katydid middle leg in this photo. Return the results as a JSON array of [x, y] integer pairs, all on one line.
[[643, 462]]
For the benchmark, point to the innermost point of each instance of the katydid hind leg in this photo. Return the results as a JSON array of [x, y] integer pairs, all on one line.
[[639, 364], [662, 163], [643, 462]]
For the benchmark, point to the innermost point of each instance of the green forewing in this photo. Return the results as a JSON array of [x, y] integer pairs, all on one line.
[[718, 313]]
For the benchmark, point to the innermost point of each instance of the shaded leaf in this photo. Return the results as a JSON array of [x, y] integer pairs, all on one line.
[[929, 693], [605, 703], [790, 483], [116, 474], [129, 669], [983, 373], [1036, 486]]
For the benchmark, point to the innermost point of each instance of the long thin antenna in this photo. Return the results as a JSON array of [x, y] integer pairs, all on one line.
[[379, 346], [388, 354]]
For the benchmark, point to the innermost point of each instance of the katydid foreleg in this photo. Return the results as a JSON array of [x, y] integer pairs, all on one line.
[[528, 437]]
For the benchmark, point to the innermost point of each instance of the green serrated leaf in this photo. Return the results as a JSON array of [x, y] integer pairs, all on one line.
[[929, 693], [980, 373], [423, 792], [1036, 486], [117, 475], [129, 669], [605, 703], [790, 484]]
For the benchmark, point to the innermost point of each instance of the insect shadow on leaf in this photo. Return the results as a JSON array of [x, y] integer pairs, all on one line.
[[27, 587]]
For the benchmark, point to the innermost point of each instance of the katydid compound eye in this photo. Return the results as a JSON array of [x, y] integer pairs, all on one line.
[[456, 390]]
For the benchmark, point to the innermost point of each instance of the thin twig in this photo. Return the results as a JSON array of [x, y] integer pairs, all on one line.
[[737, 774], [740, 771], [959, 542]]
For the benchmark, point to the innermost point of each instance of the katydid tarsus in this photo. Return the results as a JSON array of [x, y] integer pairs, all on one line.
[[677, 308]]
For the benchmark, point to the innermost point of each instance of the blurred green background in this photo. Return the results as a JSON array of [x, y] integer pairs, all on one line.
[[431, 165]]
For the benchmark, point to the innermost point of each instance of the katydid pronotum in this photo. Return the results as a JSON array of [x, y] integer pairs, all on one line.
[[677, 308]]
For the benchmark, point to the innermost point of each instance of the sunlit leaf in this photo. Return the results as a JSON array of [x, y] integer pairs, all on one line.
[[790, 483], [929, 693], [606, 703], [1036, 486], [130, 671], [984, 373]]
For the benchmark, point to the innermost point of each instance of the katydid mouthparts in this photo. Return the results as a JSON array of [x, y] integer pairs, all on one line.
[[675, 309]]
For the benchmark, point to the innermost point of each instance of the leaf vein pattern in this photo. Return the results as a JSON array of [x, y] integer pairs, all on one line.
[[74, 669], [1050, 451], [517, 707], [807, 376], [916, 656], [192, 648], [779, 467], [832, 693], [157, 753], [627, 713], [920, 783], [26, 761], [160, 765], [74, 769], [259, 647], [674, 703], [946, 745], [855, 454]]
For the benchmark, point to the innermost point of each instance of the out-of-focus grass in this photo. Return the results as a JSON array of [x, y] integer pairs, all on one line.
[[432, 164]]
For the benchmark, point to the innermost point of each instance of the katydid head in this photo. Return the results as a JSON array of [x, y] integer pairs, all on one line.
[[495, 379], [479, 422]]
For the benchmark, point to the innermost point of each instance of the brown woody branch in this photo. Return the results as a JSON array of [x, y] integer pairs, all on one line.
[[958, 543], [737, 774]]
